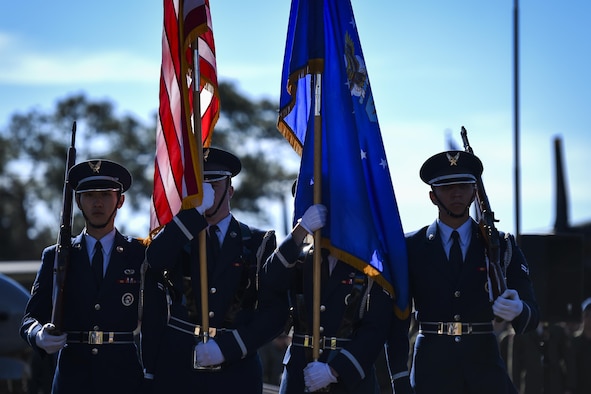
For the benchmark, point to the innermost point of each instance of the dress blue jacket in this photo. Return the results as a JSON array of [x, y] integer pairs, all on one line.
[[83, 367], [242, 326], [364, 329], [467, 363]]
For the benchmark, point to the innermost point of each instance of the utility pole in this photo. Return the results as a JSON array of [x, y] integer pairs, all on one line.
[[516, 117]]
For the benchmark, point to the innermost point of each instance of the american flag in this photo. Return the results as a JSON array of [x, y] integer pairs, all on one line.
[[177, 167]]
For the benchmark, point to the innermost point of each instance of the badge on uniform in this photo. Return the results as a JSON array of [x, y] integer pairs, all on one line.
[[128, 279], [127, 299]]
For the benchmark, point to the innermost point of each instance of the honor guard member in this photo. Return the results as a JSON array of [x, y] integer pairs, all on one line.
[[175, 357], [95, 348], [456, 350], [582, 348], [355, 315]]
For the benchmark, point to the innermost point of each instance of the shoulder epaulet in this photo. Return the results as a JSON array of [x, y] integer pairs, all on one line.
[[431, 231], [245, 231]]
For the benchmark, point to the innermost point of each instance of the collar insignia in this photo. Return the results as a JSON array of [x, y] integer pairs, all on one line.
[[453, 160]]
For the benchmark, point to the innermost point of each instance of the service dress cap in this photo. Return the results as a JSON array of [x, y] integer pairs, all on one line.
[[219, 164], [99, 175], [451, 167]]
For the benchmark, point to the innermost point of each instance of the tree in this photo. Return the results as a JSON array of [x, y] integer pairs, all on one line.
[[269, 164], [34, 145], [33, 170]]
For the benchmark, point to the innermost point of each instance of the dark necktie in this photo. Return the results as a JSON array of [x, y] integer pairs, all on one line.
[[455, 253], [214, 241], [97, 263]]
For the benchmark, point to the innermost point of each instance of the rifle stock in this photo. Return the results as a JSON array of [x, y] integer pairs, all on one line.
[[64, 241], [486, 222]]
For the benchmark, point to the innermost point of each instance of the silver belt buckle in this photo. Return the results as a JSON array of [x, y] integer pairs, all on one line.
[[95, 337], [198, 331], [332, 341], [307, 341], [454, 328]]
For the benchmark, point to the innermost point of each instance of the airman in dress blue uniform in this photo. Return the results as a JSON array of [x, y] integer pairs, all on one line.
[[456, 350], [354, 319], [175, 357], [95, 350]]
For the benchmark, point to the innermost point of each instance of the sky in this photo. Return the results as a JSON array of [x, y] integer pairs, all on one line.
[[434, 66]]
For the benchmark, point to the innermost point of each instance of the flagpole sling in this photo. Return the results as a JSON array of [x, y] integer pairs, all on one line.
[[317, 256]]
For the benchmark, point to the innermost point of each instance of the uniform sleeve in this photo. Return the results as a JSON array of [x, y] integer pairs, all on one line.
[[397, 348], [39, 308], [355, 361], [518, 278], [269, 318], [162, 253], [153, 318], [275, 278], [166, 246], [277, 270]]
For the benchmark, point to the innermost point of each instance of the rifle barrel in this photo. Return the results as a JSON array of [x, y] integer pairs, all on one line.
[[64, 240]]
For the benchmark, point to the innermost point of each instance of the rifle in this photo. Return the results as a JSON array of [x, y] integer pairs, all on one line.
[[486, 222], [64, 242]]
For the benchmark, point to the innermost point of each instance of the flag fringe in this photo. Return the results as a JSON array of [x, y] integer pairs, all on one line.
[[368, 270], [314, 66], [360, 265]]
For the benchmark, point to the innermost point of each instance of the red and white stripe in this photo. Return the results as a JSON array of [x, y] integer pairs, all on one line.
[[176, 167]]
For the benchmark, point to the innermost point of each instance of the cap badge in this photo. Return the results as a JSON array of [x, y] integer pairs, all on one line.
[[95, 167], [453, 160]]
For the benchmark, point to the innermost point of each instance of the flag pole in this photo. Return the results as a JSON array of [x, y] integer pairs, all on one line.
[[202, 237], [317, 256]]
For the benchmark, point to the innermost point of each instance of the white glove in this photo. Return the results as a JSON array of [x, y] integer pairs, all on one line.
[[209, 353], [314, 218], [317, 375], [508, 306], [49, 342], [207, 200]]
